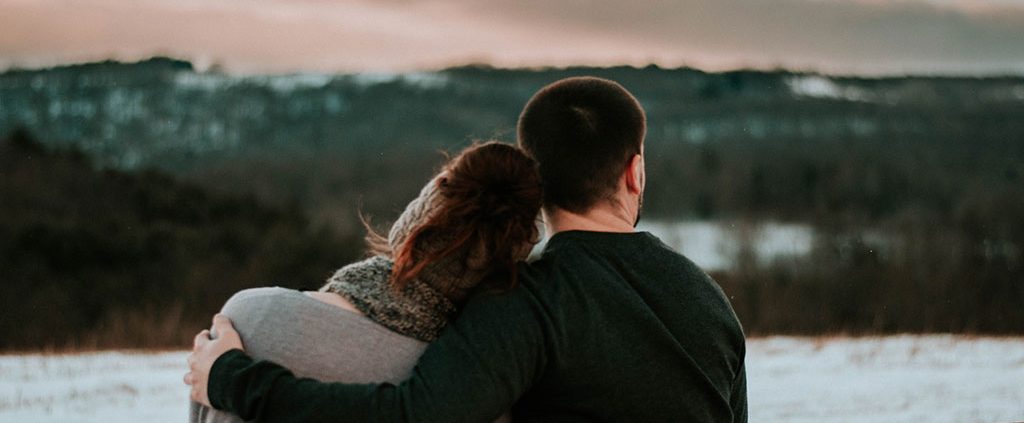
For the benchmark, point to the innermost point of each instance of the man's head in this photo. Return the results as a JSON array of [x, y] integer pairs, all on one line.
[[584, 133]]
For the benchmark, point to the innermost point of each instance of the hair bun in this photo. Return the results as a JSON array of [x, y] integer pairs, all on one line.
[[495, 181], [503, 197]]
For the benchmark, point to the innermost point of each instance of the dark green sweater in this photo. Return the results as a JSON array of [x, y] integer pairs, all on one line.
[[603, 327]]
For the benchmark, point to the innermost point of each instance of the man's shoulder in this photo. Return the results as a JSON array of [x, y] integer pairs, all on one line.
[[540, 274], [577, 251], [531, 282]]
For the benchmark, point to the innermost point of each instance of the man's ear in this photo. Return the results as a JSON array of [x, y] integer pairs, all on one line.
[[635, 174]]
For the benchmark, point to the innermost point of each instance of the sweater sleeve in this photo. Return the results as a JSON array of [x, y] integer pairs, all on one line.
[[476, 370], [738, 396]]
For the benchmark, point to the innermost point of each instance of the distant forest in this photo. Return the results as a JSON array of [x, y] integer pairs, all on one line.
[[229, 182], [106, 258]]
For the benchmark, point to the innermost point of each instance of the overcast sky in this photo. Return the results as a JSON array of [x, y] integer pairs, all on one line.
[[276, 36]]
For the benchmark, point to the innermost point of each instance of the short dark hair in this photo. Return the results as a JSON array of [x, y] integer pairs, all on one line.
[[582, 131]]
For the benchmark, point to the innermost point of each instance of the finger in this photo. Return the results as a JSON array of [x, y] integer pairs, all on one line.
[[223, 328], [201, 339], [221, 323], [189, 379], [191, 359]]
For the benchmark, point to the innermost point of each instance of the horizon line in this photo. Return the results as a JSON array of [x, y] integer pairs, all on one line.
[[215, 67]]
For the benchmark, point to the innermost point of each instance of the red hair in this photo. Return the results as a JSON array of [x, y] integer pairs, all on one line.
[[490, 196]]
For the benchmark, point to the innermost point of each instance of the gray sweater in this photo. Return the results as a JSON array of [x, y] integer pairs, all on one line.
[[314, 339]]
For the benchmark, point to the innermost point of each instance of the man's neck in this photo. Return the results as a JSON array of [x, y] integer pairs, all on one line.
[[597, 219]]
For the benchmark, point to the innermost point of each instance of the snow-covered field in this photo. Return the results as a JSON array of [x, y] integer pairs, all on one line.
[[889, 379]]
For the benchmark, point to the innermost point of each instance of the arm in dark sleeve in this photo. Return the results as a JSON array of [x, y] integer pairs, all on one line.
[[738, 396], [475, 371]]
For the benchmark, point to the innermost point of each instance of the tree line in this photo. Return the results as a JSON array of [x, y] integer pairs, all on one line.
[[105, 258]]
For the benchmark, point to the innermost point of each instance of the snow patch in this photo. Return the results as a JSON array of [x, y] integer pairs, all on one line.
[[203, 81], [1018, 92], [289, 83], [816, 86], [426, 80], [717, 245]]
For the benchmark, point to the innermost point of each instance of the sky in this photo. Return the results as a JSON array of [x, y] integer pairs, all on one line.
[[850, 37]]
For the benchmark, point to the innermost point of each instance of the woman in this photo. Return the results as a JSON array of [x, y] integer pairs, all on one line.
[[465, 231]]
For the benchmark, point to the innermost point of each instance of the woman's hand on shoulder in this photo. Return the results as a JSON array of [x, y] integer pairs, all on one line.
[[206, 348]]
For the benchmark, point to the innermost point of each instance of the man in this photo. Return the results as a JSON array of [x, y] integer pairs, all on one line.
[[608, 325]]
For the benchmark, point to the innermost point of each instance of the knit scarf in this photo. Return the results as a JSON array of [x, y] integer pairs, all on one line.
[[418, 310]]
